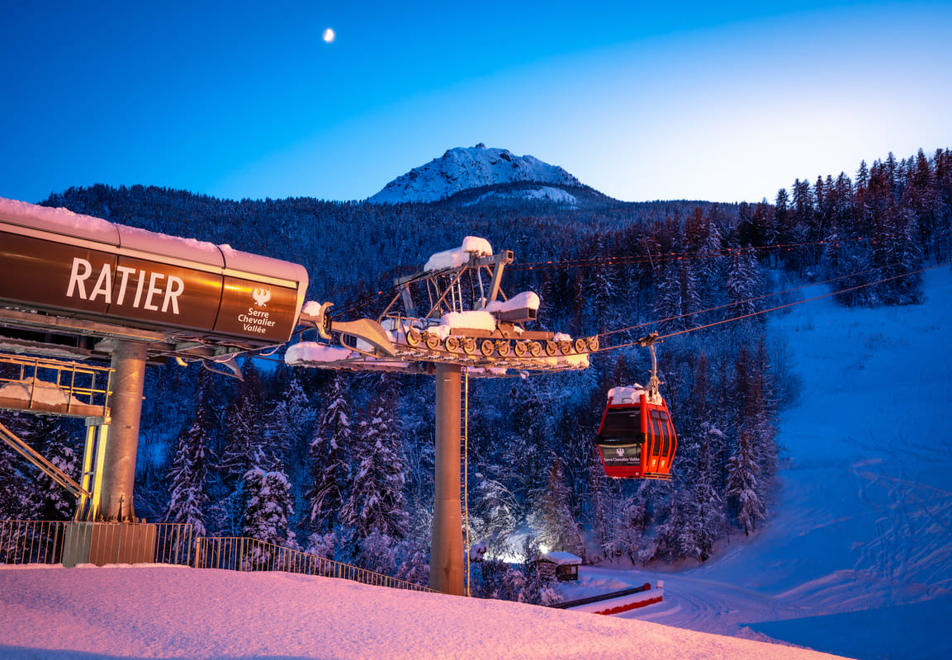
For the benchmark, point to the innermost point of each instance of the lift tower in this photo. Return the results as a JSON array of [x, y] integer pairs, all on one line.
[[450, 320]]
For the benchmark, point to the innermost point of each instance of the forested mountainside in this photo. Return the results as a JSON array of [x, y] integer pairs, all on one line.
[[342, 463]]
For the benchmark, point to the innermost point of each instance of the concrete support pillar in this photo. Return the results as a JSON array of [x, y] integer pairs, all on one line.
[[446, 547], [119, 470]]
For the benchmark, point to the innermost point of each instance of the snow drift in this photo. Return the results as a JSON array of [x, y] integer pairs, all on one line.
[[171, 611]]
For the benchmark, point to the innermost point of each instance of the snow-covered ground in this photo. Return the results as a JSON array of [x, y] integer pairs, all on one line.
[[857, 559], [180, 612]]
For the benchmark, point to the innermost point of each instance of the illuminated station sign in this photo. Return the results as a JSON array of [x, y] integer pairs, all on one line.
[[63, 263]]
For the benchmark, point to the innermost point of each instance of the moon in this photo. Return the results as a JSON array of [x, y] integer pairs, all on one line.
[[329, 35]]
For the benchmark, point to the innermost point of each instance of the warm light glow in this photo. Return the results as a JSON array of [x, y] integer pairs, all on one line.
[[329, 35]]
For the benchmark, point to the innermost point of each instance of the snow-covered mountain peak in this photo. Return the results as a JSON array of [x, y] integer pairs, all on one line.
[[463, 168]]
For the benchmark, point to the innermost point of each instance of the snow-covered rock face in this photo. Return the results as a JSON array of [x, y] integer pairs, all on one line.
[[542, 193], [472, 167]]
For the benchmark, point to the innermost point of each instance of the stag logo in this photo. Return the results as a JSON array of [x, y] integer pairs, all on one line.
[[620, 451], [261, 296]]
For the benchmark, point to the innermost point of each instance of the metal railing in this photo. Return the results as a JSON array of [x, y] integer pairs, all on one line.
[[43, 542], [240, 553], [68, 388], [31, 541]]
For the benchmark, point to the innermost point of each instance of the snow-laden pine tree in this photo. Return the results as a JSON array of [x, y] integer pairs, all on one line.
[[377, 553], [376, 501], [188, 474], [493, 514], [632, 523], [702, 237], [329, 460], [268, 507], [603, 521], [245, 431], [744, 486], [677, 295], [595, 291], [49, 500], [702, 506], [672, 538], [13, 485], [524, 457], [17, 476], [413, 562], [555, 525], [743, 282], [291, 421]]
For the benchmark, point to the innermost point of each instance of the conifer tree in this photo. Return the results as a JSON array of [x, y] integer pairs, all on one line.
[[45, 499], [328, 458], [291, 421], [245, 430], [188, 473], [268, 507], [13, 485], [743, 485], [704, 507], [494, 511], [376, 500], [557, 528]]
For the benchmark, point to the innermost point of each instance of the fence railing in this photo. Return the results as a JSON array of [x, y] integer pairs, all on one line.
[[31, 541], [240, 553], [43, 542]]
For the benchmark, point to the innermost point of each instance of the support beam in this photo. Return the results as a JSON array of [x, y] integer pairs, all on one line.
[[119, 471], [446, 544], [94, 458], [40, 461]]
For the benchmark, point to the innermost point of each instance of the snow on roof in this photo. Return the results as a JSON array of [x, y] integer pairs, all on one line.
[[177, 247], [626, 394], [561, 558], [311, 351], [58, 220], [261, 265], [526, 299], [459, 256], [477, 320], [632, 394]]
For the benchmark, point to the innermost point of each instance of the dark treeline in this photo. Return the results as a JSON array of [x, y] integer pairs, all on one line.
[[341, 463]]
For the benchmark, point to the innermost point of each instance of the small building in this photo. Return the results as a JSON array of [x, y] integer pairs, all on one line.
[[563, 565]]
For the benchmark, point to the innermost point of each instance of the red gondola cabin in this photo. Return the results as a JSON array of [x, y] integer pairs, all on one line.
[[636, 438]]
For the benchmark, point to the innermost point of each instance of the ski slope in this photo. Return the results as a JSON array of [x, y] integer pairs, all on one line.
[[179, 612], [857, 557]]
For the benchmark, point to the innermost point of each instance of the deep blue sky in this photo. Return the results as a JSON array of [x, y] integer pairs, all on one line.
[[721, 101]]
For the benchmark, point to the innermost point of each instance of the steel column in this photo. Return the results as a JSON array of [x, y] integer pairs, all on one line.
[[446, 546], [119, 471]]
